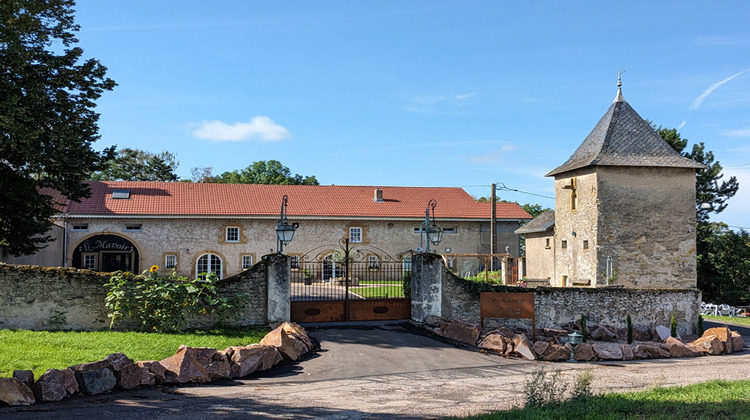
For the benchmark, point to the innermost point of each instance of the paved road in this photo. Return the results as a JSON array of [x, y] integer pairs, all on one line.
[[383, 371]]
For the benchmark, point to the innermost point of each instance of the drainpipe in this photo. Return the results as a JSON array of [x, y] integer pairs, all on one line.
[[65, 242], [493, 227]]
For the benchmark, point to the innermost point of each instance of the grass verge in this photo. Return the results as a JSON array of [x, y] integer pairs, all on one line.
[[708, 400], [42, 350], [378, 292], [729, 319]]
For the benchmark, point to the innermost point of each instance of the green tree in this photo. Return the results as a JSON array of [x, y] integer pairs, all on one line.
[[138, 165], [265, 172], [533, 209], [47, 118]]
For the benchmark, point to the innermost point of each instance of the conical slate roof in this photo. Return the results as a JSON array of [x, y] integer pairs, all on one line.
[[623, 138]]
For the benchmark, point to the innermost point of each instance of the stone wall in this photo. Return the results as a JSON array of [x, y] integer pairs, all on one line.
[[33, 296], [554, 306]]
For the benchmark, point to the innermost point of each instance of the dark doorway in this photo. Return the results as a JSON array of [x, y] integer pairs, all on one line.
[[116, 262]]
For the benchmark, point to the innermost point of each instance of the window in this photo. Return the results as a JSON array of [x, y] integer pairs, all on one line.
[[564, 245], [295, 262], [573, 194], [546, 243], [450, 263], [585, 244], [208, 263], [247, 261], [373, 263], [355, 235], [450, 230], [233, 234], [89, 261], [80, 228], [565, 281], [121, 194], [170, 261], [132, 228]]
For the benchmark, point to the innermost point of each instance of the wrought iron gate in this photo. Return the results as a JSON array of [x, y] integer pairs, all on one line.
[[349, 282]]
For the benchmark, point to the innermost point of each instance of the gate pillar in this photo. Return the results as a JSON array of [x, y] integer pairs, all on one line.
[[279, 288], [426, 286]]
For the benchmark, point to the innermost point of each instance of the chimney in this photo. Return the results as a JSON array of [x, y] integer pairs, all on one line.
[[378, 195]]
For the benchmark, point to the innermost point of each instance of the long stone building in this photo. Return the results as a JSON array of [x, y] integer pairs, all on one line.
[[225, 228], [624, 211]]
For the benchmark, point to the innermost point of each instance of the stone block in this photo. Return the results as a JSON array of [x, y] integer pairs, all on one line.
[[55, 384], [97, 381], [522, 347], [494, 342], [25, 376], [584, 352], [155, 370], [463, 332], [14, 392], [607, 351], [182, 368], [291, 348]]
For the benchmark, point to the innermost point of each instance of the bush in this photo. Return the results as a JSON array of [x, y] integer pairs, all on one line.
[[164, 304], [406, 281], [630, 329]]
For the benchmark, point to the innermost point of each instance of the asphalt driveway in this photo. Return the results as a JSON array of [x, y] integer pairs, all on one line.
[[381, 371]]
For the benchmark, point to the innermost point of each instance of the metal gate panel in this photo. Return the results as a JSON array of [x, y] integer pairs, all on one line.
[[379, 309], [319, 311]]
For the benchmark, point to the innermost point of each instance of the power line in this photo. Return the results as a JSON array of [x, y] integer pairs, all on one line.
[[503, 187]]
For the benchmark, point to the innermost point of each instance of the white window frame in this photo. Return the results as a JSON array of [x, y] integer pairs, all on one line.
[[209, 266], [373, 262], [235, 236], [89, 261], [450, 230], [167, 258], [296, 262], [245, 265], [355, 238]]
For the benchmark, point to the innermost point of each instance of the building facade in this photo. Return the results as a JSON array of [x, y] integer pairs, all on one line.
[[191, 229]]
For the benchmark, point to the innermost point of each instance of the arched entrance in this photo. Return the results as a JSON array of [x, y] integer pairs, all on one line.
[[106, 253]]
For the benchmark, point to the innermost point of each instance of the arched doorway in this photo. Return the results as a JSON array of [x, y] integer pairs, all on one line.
[[331, 268], [208, 263], [106, 253]]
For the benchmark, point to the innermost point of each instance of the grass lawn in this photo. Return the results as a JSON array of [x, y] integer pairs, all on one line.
[[380, 282], [42, 350], [708, 400], [375, 292], [730, 319]]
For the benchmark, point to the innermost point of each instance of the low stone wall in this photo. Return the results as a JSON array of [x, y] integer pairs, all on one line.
[[555, 307], [43, 298]]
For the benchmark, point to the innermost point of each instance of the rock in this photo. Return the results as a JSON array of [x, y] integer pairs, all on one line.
[[246, 360], [290, 347], [584, 352], [114, 361], [14, 391], [627, 352], [463, 332], [494, 342], [505, 332], [553, 332], [662, 332], [607, 351], [218, 369], [696, 351], [129, 376], [710, 345], [202, 355], [25, 376], [522, 347], [649, 351], [147, 377], [55, 384], [434, 320], [438, 331], [182, 368], [540, 347], [295, 330], [724, 335], [677, 348], [556, 353], [97, 381], [603, 334], [737, 342], [155, 369], [641, 333]]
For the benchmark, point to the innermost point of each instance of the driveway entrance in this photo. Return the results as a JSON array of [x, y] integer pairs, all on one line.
[[349, 283]]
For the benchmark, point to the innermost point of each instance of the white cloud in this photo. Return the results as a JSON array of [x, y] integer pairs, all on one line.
[[259, 128], [464, 96], [699, 100], [681, 125], [737, 133]]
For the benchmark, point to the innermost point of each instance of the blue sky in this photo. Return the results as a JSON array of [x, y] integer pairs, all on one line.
[[417, 93]]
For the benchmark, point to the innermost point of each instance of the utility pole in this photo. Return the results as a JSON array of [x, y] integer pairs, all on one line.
[[493, 239]]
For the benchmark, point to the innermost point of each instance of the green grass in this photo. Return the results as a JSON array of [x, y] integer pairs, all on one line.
[[708, 400], [42, 350], [730, 319], [380, 282], [393, 291]]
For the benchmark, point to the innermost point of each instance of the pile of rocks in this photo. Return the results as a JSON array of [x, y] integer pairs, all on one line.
[[289, 341], [603, 343]]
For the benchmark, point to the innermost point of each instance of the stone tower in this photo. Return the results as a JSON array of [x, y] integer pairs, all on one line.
[[625, 208]]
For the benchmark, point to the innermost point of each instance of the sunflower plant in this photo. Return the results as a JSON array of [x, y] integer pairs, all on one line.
[[164, 304]]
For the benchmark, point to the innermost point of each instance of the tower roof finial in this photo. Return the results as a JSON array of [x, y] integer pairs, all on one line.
[[619, 97]]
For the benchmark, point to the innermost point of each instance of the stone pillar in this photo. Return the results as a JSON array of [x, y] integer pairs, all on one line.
[[426, 286], [279, 288]]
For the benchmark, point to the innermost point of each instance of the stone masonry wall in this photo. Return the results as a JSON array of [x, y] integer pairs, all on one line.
[[32, 296], [559, 306]]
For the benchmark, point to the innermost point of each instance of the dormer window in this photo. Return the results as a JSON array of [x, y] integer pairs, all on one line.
[[120, 194]]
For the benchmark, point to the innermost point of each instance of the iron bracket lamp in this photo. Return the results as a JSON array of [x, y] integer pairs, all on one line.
[[430, 229], [284, 231]]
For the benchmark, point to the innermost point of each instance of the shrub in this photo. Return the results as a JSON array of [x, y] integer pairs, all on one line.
[[673, 326], [584, 330], [700, 325], [630, 329], [406, 281], [165, 304]]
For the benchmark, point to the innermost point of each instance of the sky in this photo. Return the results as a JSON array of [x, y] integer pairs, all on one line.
[[417, 93]]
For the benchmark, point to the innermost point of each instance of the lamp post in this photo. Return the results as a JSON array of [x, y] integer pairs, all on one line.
[[574, 339], [284, 231], [431, 230]]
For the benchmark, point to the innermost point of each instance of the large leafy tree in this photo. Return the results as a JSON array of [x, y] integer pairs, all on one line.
[[265, 172], [47, 117], [722, 254], [138, 165]]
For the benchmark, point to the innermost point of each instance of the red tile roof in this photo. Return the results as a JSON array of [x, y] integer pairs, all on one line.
[[235, 200]]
